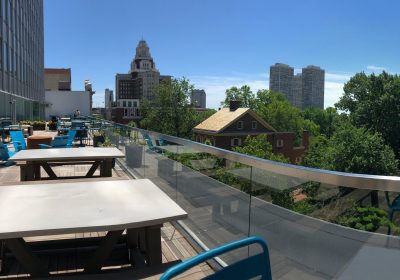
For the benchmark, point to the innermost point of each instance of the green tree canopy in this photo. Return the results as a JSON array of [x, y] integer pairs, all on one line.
[[325, 119], [373, 102], [354, 150], [259, 147], [242, 94], [171, 112]]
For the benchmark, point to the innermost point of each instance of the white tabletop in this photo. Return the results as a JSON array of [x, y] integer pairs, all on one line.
[[61, 208], [87, 153]]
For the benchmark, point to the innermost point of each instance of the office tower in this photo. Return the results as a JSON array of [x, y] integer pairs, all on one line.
[[57, 79], [280, 80], [313, 87], [198, 98], [21, 59]]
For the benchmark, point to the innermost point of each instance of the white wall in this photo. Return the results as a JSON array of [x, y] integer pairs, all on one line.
[[64, 103]]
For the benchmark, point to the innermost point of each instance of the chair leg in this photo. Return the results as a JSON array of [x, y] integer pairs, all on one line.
[[391, 212]]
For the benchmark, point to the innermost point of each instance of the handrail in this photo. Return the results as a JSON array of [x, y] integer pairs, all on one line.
[[351, 180]]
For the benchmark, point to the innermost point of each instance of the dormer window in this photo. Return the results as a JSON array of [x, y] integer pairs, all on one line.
[[239, 125], [253, 125]]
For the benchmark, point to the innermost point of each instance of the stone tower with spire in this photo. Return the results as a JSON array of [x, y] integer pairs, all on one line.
[[139, 83]]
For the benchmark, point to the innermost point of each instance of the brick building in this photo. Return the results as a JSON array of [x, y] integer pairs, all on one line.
[[229, 127]]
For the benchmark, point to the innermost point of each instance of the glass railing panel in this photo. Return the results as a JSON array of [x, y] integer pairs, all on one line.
[[217, 202], [319, 228], [314, 228]]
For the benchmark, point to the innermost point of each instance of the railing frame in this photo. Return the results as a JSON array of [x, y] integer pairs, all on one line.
[[351, 180]]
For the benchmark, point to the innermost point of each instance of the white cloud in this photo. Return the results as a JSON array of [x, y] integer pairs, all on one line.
[[215, 86], [375, 68]]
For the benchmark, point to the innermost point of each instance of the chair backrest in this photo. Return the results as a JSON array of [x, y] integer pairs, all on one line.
[[18, 140], [148, 141], [71, 136], [60, 141], [255, 266], [4, 152]]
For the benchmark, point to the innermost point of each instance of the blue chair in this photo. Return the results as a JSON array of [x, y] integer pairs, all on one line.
[[149, 142], [18, 140], [58, 142], [393, 206], [71, 137], [5, 154], [252, 267]]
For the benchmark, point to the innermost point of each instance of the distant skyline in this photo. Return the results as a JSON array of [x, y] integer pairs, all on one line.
[[219, 44]]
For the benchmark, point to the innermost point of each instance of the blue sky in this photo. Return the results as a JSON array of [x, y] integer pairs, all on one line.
[[217, 44]]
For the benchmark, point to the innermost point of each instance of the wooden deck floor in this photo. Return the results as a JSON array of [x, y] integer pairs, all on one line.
[[174, 246]]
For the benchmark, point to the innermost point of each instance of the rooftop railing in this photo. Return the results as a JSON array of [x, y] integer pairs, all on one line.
[[318, 223]]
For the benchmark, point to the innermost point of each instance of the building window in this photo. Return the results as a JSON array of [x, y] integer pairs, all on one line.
[[253, 125], [129, 104], [236, 142], [123, 103], [298, 160], [125, 112], [279, 143], [240, 125], [134, 104]]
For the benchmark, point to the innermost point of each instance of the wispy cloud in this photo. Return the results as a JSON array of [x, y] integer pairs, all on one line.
[[215, 86], [375, 68]]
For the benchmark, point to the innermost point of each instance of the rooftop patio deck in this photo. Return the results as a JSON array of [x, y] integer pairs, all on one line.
[[175, 247]]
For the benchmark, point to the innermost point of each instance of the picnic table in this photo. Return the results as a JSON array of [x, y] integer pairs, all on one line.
[[64, 208], [30, 161]]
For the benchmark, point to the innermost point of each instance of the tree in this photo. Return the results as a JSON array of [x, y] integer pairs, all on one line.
[[259, 146], [373, 102], [325, 119], [170, 112], [242, 94], [281, 115], [354, 150]]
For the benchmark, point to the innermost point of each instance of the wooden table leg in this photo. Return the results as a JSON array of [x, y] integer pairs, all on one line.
[[96, 261], [134, 237], [36, 171], [48, 170], [26, 258], [93, 169], [153, 245], [27, 172], [106, 168]]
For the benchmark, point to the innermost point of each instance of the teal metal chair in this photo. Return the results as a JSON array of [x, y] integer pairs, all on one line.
[[149, 142], [253, 267], [71, 137], [18, 140], [58, 142], [5, 154]]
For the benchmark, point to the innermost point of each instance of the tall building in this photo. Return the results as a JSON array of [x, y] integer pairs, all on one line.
[[88, 87], [198, 98], [280, 80], [297, 91], [143, 76], [108, 98], [302, 90], [57, 79], [21, 59], [313, 87]]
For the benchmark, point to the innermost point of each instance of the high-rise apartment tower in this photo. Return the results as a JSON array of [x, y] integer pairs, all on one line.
[[21, 59]]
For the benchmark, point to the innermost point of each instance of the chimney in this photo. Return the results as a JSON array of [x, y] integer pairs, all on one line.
[[233, 105], [305, 139]]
